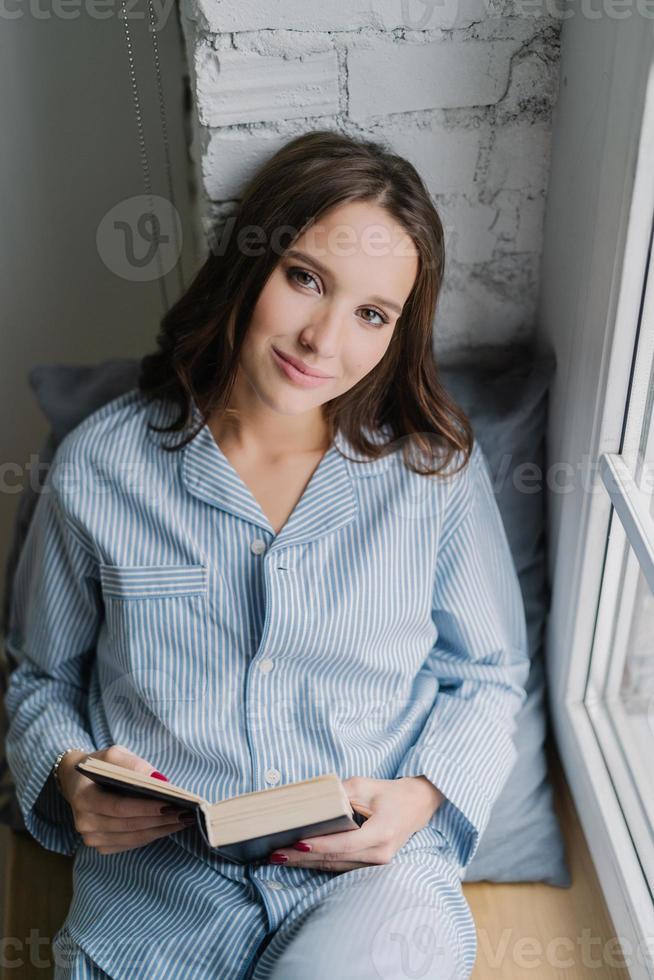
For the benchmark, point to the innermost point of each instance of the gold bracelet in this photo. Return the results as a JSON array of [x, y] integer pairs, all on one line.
[[76, 748]]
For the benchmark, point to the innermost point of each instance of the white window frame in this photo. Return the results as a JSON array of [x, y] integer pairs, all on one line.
[[592, 391]]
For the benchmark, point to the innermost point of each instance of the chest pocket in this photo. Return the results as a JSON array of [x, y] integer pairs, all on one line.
[[156, 617]]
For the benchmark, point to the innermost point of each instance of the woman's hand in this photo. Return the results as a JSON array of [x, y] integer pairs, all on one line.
[[399, 807], [109, 821]]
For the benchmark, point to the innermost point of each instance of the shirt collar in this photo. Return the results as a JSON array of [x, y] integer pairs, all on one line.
[[329, 500]]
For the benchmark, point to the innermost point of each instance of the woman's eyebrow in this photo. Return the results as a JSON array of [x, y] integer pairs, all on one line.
[[294, 253]]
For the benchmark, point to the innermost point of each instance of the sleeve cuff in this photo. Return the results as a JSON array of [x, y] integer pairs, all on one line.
[[47, 814], [463, 815]]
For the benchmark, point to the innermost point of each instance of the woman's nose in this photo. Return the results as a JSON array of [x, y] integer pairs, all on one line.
[[325, 333]]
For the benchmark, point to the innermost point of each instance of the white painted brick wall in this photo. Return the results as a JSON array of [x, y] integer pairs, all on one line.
[[520, 158], [228, 16], [463, 88], [443, 75], [234, 88]]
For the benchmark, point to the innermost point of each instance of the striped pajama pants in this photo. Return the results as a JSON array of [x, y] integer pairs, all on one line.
[[377, 925]]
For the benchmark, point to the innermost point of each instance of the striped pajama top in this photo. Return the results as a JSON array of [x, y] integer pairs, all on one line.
[[380, 633]]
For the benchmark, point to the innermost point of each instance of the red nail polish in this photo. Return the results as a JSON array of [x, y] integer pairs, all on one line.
[[159, 775], [301, 846], [278, 858]]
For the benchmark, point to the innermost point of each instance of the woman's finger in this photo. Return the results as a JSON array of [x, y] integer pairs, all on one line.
[[343, 866], [96, 799], [117, 825], [317, 858], [373, 833], [99, 836], [112, 843], [327, 864]]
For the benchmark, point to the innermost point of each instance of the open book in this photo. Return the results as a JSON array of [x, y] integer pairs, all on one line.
[[248, 827]]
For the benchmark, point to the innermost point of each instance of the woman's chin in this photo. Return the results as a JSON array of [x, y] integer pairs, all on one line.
[[293, 403]]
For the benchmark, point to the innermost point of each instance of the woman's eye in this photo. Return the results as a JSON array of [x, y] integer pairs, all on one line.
[[293, 273], [382, 320]]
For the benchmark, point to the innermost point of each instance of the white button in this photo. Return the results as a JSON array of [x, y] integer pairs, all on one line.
[[274, 884], [257, 546], [272, 775], [265, 666]]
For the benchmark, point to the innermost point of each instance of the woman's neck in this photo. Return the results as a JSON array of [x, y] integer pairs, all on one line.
[[265, 440]]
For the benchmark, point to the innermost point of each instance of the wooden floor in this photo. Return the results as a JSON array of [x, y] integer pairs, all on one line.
[[515, 922]]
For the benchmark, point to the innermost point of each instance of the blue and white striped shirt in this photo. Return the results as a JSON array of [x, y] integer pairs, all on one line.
[[380, 633]]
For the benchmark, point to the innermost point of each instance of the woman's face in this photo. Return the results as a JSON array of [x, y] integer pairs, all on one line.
[[333, 307]]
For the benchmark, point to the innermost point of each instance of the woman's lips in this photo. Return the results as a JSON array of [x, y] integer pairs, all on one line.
[[305, 380], [298, 363]]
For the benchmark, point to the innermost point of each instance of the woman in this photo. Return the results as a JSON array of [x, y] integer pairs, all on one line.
[[279, 556]]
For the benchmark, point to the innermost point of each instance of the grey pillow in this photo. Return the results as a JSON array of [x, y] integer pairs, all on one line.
[[506, 400], [505, 397], [66, 394]]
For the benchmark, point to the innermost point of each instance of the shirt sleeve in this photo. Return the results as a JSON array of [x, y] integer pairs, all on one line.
[[480, 660], [54, 618]]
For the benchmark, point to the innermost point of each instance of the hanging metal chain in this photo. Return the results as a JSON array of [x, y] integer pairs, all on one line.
[[164, 132], [143, 153]]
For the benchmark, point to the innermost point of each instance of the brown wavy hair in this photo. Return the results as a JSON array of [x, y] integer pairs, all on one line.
[[200, 337]]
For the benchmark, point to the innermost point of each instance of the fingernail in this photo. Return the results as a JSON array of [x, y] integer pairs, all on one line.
[[278, 858], [159, 775], [301, 846]]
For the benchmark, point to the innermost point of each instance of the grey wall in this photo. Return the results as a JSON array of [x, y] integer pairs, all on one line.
[[69, 155]]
